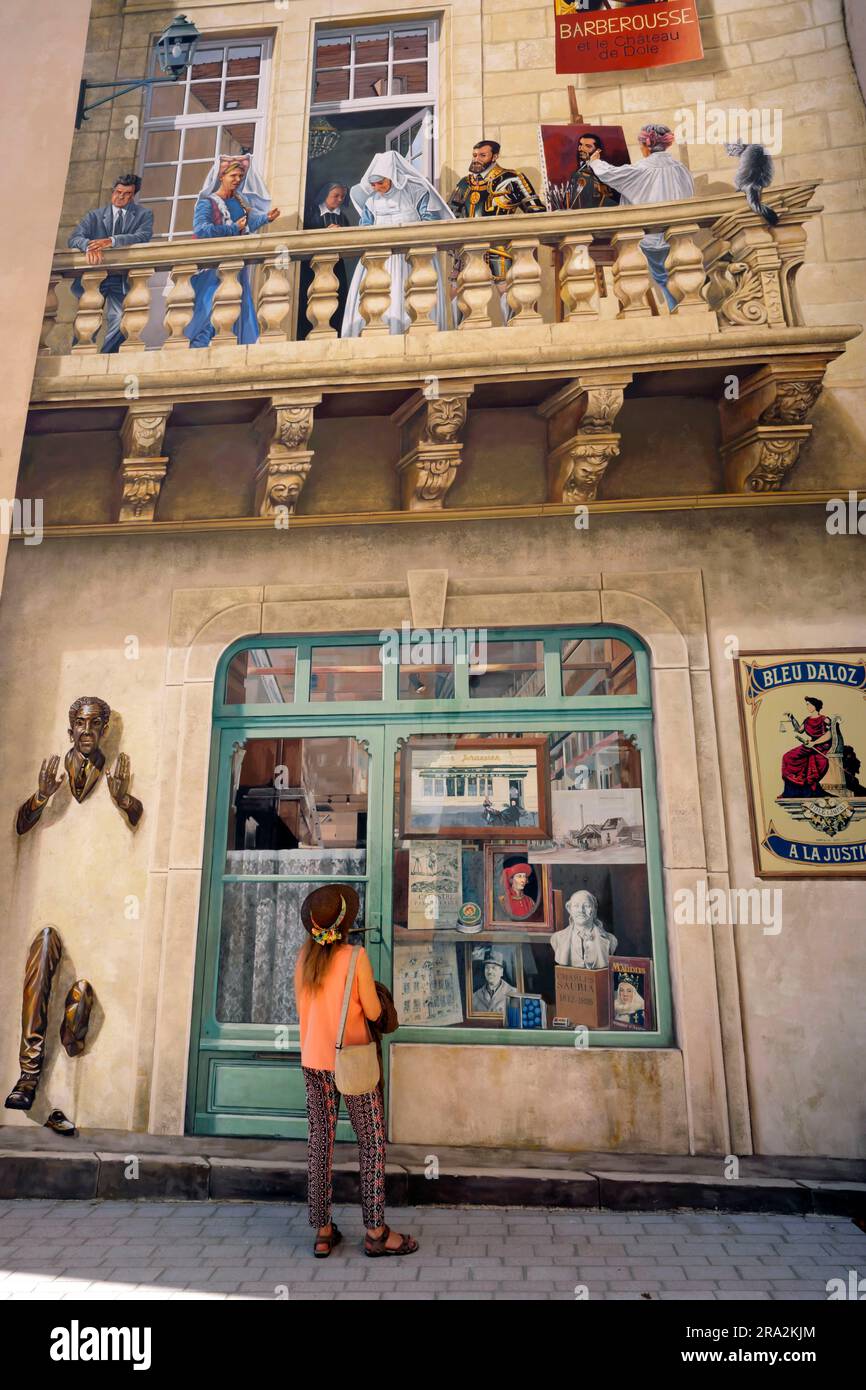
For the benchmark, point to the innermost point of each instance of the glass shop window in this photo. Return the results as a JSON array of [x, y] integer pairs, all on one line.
[[521, 898], [597, 666], [507, 670], [346, 673], [262, 676]]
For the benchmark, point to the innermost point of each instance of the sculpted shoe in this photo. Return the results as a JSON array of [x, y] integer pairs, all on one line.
[[59, 1123], [23, 1094]]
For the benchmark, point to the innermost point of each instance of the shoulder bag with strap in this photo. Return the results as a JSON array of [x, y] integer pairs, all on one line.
[[356, 1068]]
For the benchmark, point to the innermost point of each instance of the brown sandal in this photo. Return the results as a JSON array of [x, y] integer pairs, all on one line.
[[328, 1242], [375, 1245]]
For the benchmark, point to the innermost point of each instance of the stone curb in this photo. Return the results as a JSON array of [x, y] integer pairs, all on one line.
[[167, 1177]]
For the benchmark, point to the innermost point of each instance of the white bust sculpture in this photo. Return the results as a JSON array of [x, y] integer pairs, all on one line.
[[584, 942]]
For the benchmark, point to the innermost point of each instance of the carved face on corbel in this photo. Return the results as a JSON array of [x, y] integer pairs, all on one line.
[[446, 416], [284, 492]]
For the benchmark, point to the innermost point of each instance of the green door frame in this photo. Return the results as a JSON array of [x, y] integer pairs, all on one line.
[[382, 724]]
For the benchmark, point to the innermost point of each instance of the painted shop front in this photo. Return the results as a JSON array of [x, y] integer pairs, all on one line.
[[491, 796]]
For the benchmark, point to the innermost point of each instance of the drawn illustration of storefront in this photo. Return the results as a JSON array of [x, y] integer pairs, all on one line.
[[313, 777]]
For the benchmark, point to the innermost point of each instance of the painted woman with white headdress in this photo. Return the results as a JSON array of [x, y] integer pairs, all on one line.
[[223, 210], [393, 194]]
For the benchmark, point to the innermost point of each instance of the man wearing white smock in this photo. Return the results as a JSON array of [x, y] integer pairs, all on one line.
[[393, 194], [659, 178]]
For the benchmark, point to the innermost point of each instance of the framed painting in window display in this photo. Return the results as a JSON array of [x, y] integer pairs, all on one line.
[[475, 788], [517, 892], [492, 976]]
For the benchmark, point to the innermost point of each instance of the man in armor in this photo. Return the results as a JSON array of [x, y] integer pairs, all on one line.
[[488, 190]]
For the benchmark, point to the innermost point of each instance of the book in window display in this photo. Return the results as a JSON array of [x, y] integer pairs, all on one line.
[[631, 994], [435, 884]]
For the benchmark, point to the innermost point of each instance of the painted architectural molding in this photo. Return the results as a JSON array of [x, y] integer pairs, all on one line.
[[765, 428], [581, 440], [145, 464], [431, 445], [280, 478]]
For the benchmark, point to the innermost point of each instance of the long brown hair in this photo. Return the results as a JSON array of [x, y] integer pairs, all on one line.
[[316, 961]]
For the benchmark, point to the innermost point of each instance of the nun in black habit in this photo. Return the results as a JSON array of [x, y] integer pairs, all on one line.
[[325, 210]]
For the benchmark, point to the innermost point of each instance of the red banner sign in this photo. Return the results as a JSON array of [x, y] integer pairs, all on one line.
[[614, 35]]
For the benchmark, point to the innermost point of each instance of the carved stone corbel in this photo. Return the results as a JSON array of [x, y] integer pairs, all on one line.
[[764, 430], [581, 440], [745, 272], [430, 445], [288, 423], [144, 465]]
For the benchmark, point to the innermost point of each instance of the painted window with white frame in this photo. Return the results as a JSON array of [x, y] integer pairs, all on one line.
[[219, 106]]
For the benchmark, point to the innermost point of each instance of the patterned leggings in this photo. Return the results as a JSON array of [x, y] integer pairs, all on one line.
[[368, 1122]]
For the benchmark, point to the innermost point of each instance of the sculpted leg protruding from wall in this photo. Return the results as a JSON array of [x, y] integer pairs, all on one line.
[[42, 961]]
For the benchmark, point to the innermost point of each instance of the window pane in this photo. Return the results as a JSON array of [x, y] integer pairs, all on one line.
[[193, 176], [183, 215], [262, 676], [159, 181], [332, 85], [346, 673], [371, 48], [203, 96], [200, 142], [244, 62], [162, 146], [598, 666], [161, 216], [166, 99], [236, 138], [333, 53], [370, 82], [292, 794], [507, 670], [410, 43], [260, 937], [242, 95], [207, 62], [409, 77], [434, 681], [496, 928]]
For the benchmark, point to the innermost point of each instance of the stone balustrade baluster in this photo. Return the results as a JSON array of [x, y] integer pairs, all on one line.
[[49, 318], [275, 299], [631, 277], [524, 282], [88, 319], [179, 306], [227, 302], [578, 285], [687, 276], [422, 289], [136, 308], [375, 298], [474, 287], [323, 297]]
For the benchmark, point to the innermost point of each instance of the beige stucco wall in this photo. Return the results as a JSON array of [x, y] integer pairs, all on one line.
[[787, 1082], [40, 133]]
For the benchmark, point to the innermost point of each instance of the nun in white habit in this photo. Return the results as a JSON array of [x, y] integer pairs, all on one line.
[[393, 194]]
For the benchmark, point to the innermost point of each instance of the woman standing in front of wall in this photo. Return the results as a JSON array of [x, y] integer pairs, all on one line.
[[336, 995]]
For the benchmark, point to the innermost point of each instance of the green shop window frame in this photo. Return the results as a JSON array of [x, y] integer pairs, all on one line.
[[383, 724]]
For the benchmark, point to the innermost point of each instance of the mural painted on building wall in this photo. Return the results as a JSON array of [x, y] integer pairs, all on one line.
[[803, 719], [570, 182], [615, 35]]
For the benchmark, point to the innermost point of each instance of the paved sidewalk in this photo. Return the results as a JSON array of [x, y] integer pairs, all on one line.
[[149, 1250]]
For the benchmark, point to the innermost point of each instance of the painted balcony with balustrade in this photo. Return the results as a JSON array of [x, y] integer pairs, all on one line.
[[586, 333]]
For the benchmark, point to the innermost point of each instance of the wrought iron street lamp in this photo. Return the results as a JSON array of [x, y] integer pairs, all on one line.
[[174, 50]]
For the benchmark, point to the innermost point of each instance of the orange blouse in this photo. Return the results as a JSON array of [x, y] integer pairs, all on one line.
[[319, 1014]]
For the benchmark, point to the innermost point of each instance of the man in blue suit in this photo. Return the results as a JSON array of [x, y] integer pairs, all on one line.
[[120, 223]]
